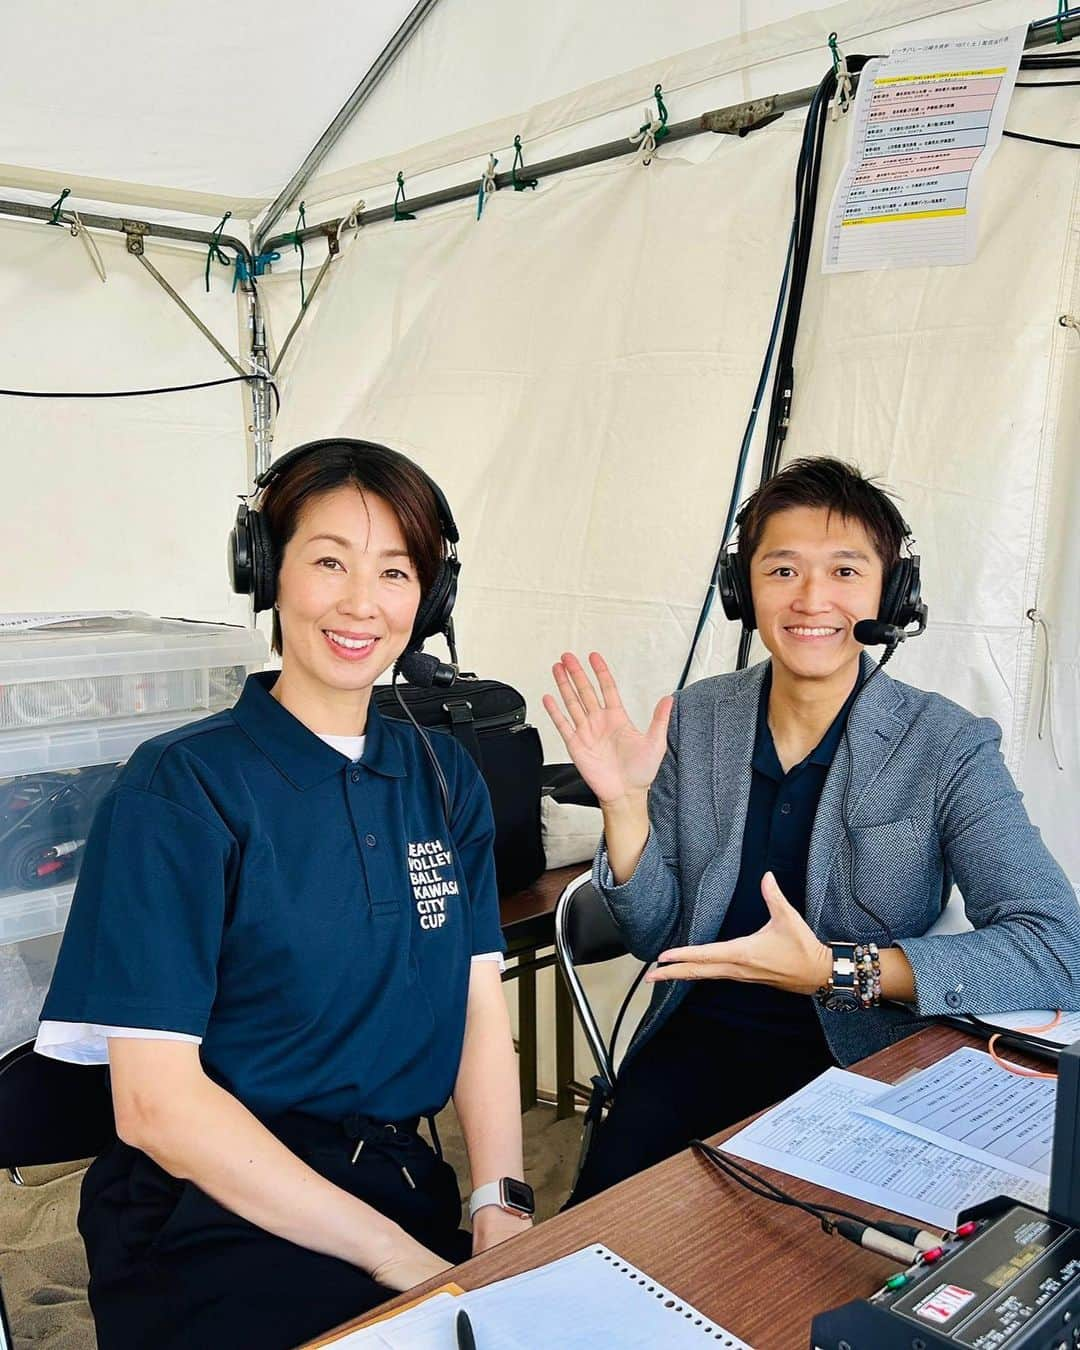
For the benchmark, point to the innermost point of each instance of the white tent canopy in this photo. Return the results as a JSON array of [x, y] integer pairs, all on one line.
[[575, 367]]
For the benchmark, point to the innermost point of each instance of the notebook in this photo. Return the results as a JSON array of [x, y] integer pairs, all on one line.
[[588, 1299]]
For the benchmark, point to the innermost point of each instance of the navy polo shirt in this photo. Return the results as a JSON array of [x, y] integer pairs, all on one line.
[[312, 919], [776, 838]]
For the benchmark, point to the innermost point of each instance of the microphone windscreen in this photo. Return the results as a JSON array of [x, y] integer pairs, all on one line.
[[873, 633], [425, 671]]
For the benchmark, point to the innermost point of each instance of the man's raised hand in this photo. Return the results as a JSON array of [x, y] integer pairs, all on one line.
[[616, 759]]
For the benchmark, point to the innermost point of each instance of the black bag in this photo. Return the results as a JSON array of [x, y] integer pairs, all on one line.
[[488, 718]]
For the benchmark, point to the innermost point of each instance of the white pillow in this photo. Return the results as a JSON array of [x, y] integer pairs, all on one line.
[[571, 833]]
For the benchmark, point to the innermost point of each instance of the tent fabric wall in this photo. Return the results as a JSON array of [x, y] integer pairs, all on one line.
[[1050, 772], [115, 503]]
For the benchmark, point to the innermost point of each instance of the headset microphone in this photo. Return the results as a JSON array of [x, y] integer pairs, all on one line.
[[874, 633], [877, 632], [426, 671]]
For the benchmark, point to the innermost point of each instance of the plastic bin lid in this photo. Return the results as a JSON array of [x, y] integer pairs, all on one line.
[[118, 644]]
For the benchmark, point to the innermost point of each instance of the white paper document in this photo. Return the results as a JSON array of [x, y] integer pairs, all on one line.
[[1065, 1033], [589, 1299], [821, 1135], [927, 120], [968, 1104]]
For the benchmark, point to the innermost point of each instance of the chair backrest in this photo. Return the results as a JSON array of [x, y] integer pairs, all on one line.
[[52, 1112], [585, 934]]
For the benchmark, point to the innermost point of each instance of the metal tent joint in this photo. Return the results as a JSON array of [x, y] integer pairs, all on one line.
[[742, 118], [136, 232]]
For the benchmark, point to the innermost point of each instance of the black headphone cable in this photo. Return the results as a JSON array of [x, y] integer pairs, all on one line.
[[887, 655], [898, 1242], [444, 790]]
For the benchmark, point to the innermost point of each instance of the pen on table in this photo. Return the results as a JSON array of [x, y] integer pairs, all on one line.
[[465, 1338]]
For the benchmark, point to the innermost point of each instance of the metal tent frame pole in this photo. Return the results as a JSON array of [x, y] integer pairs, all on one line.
[[359, 96], [735, 120], [123, 225]]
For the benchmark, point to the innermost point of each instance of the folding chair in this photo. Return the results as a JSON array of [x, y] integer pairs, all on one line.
[[51, 1112], [585, 935]]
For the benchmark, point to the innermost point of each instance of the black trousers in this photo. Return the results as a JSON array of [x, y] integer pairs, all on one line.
[[692, 1078], [169, 1267]]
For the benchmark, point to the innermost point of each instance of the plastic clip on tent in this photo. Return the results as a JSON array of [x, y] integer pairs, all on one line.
[[653, 130], [488, 185], [298, 246], [55, 208], [399, 199], [520, 184], [843, 78], [215, 253]]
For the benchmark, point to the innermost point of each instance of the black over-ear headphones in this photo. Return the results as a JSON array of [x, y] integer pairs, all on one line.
[[253, 561], [901, 594]]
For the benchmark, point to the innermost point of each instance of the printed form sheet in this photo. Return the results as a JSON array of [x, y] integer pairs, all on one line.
[[927, 120], [821, 1135], [969, 1104]]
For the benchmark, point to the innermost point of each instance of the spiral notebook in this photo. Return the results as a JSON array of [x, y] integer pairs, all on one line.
[[588, 1299]]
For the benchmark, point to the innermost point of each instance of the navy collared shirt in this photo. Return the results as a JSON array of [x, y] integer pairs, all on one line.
[[776, 838], [310, 918]]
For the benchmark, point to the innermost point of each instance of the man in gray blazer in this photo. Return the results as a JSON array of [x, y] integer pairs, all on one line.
[[781, 839]]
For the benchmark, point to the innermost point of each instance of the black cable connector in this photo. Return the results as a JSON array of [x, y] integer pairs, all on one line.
[[898, 1242]]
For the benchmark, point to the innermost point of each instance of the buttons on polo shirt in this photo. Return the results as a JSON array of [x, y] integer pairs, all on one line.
[[953, 999], [370, 840], [355, 775], [785, 809]]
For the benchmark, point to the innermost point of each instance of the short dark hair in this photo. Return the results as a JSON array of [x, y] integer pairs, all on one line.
[[399, 482], [830, 483]]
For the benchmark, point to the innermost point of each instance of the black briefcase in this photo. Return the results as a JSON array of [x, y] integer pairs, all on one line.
[[488, 718]]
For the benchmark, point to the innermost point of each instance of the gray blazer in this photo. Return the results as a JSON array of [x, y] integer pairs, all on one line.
[[931, 803]]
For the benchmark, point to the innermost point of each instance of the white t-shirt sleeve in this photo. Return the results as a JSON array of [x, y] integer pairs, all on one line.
[[88, 1042], [491, 956]]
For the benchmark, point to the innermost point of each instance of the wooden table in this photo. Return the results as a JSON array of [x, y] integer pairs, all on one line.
[[759, 1269], [528, 924]]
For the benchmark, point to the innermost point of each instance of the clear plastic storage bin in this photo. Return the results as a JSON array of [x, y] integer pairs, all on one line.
[[133, 665], [64, 691], [51, 782]]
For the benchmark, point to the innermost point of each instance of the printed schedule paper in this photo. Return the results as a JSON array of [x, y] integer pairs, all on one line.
[[821, 1135], [926, 122], [968, 1104]]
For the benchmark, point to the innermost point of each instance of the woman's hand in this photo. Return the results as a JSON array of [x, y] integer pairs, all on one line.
[[408, 1264], [784, 954], [615, 758], [492, 1225]]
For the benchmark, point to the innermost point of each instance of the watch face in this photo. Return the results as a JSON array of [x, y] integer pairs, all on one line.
[[518, 1194], [841, 1000]]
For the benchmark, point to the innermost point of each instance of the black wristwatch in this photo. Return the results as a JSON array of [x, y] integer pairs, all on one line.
[[841, 994]]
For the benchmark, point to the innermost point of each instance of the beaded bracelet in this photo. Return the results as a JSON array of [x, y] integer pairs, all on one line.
[[868, 974]]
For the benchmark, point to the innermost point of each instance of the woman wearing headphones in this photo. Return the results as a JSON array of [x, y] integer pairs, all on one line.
[[286, 945], [780, 840]]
